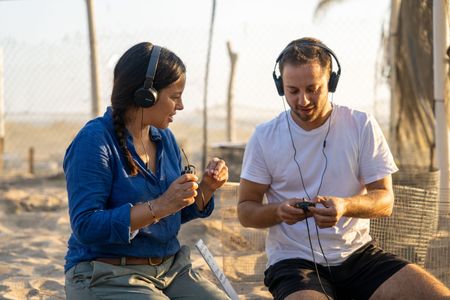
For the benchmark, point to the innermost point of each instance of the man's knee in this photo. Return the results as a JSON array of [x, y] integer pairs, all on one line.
[[411, 282], [307, 294]]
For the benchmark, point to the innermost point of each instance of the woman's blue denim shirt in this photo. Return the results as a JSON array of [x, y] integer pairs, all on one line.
[[101, 194]]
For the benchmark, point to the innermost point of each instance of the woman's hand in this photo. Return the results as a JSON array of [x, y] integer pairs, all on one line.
[[181, 193], [215, 175]]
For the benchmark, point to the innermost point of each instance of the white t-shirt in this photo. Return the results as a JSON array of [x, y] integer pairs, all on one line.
[[357, 154]]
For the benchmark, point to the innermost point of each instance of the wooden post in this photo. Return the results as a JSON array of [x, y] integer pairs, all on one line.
[[392, 53], [2, 115], [440, 73], [230, 112], [205, 89], [31, 160], [95, 90]]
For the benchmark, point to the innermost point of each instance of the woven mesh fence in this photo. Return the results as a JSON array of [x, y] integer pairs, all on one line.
[[417, 230]]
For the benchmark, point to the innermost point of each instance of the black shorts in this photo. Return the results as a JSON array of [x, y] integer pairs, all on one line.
[[356, 278]]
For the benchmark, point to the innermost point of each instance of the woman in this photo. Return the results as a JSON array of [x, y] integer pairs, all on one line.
[[127, 194]]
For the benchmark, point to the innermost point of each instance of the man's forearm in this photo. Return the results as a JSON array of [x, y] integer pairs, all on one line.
[[257, 215], [375, 204]]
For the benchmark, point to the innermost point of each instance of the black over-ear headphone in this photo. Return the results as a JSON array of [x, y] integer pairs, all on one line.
[[334, 77], [146, 96]]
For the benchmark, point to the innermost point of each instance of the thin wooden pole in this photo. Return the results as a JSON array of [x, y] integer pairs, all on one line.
[[2, 115], [230, 111], [31, 160], [95, 86], [205, 89]]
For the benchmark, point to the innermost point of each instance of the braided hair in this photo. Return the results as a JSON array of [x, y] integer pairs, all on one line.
[[129, 76]]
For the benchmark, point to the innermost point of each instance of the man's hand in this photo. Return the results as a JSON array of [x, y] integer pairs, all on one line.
[[331, 212], [286, 212]]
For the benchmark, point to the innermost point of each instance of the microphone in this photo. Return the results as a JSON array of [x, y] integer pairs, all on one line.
[[188, 169]]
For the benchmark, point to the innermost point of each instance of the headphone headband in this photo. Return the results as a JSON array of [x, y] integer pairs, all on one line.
[[307, 43], [334, 76], [152, 66], [147, 96]]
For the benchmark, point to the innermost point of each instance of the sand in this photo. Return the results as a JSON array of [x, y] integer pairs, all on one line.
[[34, 227]]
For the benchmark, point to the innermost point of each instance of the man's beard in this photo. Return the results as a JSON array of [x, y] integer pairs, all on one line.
[[306, 117]]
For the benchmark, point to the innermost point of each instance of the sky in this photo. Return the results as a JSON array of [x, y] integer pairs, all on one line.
[[46, 51]]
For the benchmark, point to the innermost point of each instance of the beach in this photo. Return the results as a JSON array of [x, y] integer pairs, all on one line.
[[34, 227]]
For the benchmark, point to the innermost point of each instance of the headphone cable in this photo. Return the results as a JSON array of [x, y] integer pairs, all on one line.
[[146, 163], [321, 181], [309, 198]]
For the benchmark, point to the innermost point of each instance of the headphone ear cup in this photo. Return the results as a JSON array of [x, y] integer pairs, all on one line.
[[332, 83], [278, 84], [145, 97]]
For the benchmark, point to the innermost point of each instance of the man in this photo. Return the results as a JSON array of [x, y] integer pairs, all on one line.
[[337, 158]]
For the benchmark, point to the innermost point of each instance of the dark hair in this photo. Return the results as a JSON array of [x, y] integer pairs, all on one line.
[[303, 51], [129, 76]]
